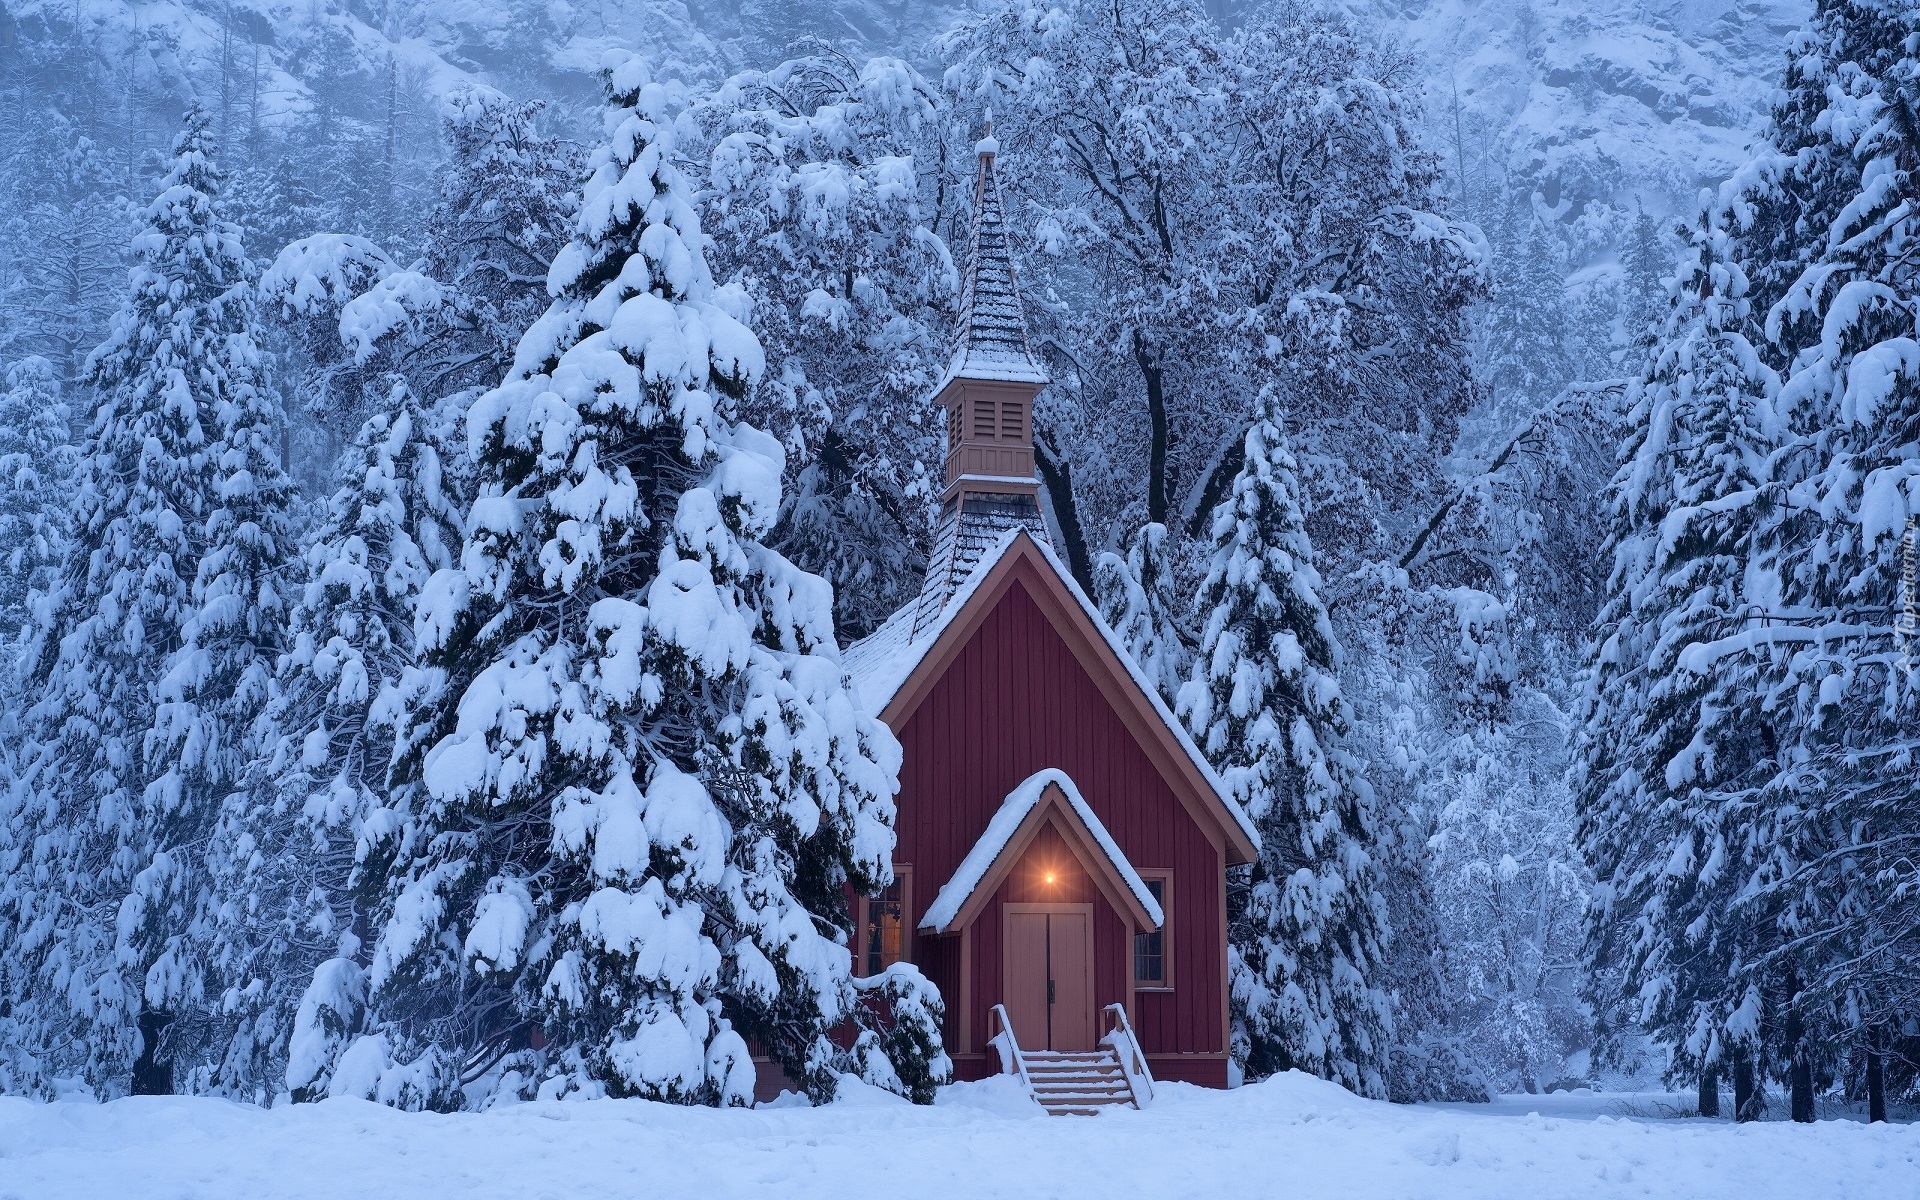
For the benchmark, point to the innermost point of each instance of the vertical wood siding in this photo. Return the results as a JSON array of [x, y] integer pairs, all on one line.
[[1016, 701]]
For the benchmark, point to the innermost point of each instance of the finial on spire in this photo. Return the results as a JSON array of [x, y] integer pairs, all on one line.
[[988, 145]]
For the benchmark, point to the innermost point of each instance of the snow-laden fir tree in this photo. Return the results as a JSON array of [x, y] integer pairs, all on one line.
[[1673, 740], [1524, 353], [36, 463], [822, 196], [213, 725], [348, 680], [1835, 837], [150, 659], [647, 786], [1305, 929], [1139, 602]]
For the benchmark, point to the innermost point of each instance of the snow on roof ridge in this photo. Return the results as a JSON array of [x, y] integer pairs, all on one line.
[[880, 664], [1152, 694], [1014, 810], [878, 675]]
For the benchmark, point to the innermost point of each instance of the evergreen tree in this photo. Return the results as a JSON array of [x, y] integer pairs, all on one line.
[[1673, 743], [36, 465], [449, 322], [646, 787], [1644, 301], [348, 680], [1527, 358], [1137, 600], [1305, 929], [1833, 839], [147, 662], [505, 208]]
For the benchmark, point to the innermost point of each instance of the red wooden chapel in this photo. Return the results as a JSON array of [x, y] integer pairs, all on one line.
[[1063, 846]]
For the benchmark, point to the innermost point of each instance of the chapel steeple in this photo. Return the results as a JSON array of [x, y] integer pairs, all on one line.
[[992, 376], [987, 394]]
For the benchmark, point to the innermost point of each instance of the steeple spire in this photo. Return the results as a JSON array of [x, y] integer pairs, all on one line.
[[990, 341], [987, 393]]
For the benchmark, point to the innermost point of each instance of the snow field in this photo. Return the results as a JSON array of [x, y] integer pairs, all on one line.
[[1291, 1136]]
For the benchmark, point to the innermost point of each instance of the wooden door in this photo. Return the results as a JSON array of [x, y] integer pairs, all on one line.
[[1047, 977], [1025, 981], [1070, 971]]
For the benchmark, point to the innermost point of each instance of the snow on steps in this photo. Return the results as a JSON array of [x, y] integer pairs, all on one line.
[[1082, 1082], [1077, 1084]]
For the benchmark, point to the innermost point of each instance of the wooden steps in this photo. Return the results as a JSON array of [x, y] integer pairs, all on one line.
[[1077, 1084]]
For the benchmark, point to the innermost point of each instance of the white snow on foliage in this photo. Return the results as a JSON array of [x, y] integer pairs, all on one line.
[[323, 272], [1000, 830]]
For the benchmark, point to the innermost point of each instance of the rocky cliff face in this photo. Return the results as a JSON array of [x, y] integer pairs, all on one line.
[[1596, 102]]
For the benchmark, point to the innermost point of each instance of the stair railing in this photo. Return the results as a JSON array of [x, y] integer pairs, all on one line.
[[1011, 1060], [1133, 1060]]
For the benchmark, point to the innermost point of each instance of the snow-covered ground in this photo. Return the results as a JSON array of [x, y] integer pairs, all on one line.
[[1293, 1137]]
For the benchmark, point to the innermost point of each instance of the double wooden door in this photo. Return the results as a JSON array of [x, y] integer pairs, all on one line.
[[1048, 975]]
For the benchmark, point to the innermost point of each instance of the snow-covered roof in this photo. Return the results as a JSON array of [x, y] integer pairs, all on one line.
[[883, 660], [1013, 811], [991, 339], [881, 663]]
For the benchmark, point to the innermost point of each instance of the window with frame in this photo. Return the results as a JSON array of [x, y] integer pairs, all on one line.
[[1153, 950], [883, 933]]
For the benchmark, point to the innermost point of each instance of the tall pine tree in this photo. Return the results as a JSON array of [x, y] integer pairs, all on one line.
[[147, 665], [1833, 840], [647, 785], [1264, 702], [1137, 600], [1673, 742]]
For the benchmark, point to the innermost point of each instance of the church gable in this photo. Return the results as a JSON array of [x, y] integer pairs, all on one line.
[[1054, 670]]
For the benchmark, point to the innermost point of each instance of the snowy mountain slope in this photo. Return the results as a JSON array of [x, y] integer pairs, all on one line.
[[1616, 101], [206, 49]]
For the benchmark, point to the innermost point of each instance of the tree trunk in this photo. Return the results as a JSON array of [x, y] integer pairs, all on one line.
[[1876, 1085], [1212, 487], [1800, 1062], [1709, 1091], [1149, 363], [1056, 474], [151, 1076], [1748, 1103]]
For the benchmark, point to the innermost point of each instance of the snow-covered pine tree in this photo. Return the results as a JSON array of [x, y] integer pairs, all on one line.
[[1674, 738], [1525, 356], [1305, 929], [36, 463], [143, 666], [348, 680], [1138, 601], [1833, 840], [821, 194], [214, 724], [1645, 264], [647, 786], [506, 206]]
